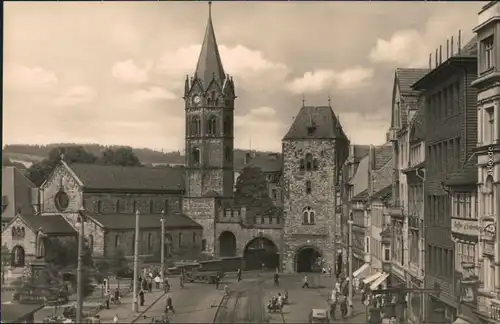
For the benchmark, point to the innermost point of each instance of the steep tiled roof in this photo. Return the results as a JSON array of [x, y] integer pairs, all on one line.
[[407, 77], [209, 63], [361, 196], [17, 190], [320, 120], [50, 224], [104, 177], [382, 155], [267, 163], [384, 192], [127, 221], [360, 151], [464, 176], [382, 177]]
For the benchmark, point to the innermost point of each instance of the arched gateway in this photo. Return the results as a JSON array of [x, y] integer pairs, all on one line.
[[227, 244], [261, 251], [308, 259]]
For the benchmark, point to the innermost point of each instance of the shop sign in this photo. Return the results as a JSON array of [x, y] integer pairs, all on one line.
[[465, 227]]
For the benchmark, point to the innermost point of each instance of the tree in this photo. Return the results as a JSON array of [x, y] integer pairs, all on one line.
[[118, 265], [39, 172], [252, 191], [8, 162], [6, 257], [123, 156]]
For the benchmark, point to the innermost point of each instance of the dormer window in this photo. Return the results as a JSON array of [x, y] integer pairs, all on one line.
[[311, 130]]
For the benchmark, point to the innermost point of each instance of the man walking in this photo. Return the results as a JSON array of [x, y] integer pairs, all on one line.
[[306, 283]]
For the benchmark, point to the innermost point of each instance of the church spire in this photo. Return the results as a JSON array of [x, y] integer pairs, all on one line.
[[209, 63]]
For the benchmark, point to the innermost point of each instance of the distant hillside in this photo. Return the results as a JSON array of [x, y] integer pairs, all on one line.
[[29, 154]]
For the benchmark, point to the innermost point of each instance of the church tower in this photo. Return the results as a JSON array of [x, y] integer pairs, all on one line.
[[209, 103]]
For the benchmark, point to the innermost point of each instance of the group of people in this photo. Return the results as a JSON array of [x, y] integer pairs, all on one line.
[[276, 303]]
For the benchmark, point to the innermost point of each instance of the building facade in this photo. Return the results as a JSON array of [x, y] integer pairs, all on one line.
[[313, 150], [488, 159], [450, 137]]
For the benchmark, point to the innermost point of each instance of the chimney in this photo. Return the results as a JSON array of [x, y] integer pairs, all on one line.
[[35, 199], [452, 47], [459, 40], [351, 150], [430, 61], [248, 158], [447, 49], [440, 54], [436, 59]]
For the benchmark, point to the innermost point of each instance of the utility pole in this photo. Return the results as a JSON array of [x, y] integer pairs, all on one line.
[[349, 255], [135, 305], [162, 220], [334, 243], [79, 287]]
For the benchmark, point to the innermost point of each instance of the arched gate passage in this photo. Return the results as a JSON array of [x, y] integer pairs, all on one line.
[[260, 252], [308, 259], [227, 244]]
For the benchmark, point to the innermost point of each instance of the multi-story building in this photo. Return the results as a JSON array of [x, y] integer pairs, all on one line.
[[488, 158], [451, 131], [405, 101], [415, 178]]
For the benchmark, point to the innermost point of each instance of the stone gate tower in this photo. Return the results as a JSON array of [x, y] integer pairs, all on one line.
[[313, 150], [209, 104]]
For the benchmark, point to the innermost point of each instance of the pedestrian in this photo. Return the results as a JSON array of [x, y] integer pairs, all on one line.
[[238, 274], [333, 305], [141, 297], [115, 319], [306, 283], [277, 279], [226, 290], [150, 284], [117, 295], [157, 281], [170, 305], [329, 271], [181, 281], [217, 282], [343, 306]]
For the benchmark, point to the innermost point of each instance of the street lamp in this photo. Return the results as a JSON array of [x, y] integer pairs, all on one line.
[[135, 305], [162, 220], [80, 222], [349, 254]]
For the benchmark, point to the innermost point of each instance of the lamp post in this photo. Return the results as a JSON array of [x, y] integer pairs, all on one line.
[[135, 305], [162, 220], [79, 290], [349, 255]]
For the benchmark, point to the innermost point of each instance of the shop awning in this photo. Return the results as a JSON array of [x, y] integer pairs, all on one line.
[[358, 272], [372, 278], [379, 280]]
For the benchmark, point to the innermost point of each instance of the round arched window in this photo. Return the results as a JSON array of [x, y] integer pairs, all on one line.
[[61, 201]]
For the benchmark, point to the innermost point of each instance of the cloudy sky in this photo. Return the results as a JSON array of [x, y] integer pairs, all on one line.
[[113, 72]]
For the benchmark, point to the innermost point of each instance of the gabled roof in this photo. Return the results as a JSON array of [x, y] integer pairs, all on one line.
[[360, 151], [417, 126], [315, 123], [383, 154], [17, 190], [209, 65], [118, 178], [49, 224], [127, 221], [407, 77]]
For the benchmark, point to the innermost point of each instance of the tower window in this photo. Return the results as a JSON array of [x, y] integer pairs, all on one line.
[[302, 165], [308, 187], [195, 125], [311, 130], [229, 154], [227, 126], [315, 164], [212, 125], [309, 162], [196, 155], [117, 206], [308, 216]]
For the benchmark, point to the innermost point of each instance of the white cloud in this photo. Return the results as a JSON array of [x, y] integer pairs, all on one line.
[[257, 129], [250, 68], [153, 93], [321, 80], [129, 72], [364, 129], [411, 47], [30, 78], [75, 96]]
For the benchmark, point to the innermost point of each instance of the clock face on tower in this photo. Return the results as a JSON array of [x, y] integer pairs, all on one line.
[[196, 99]]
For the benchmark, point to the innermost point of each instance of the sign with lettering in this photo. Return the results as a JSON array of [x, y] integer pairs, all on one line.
[[465, 227]]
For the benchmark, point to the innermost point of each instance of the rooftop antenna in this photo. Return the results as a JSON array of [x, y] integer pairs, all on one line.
[[329, 101], [440, 54], [303, 100], [459, 40], [210, 9], [430, 61], [436, 59]]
